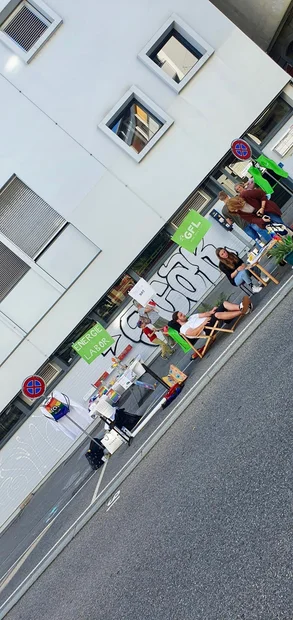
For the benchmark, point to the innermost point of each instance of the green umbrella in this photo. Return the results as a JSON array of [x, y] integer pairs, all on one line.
[[270, 164], [260, 181]]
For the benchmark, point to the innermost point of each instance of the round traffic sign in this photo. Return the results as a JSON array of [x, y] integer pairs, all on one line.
[[33, 386], [241, 149]]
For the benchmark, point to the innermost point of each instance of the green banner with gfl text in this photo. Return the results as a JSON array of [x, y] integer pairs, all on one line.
[[191, 231]]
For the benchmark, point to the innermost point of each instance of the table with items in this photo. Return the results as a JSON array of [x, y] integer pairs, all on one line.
[[253, 261]]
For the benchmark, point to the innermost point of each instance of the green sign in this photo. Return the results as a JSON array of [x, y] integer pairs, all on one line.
[[94, 342], [191, 231]]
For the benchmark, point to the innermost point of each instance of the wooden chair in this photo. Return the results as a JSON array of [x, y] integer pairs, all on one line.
[[211, 337]]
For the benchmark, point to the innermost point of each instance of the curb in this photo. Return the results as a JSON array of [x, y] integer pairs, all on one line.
[[150, 442]]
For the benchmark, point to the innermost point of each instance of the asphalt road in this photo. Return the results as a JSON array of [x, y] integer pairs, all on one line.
[[202, 529]]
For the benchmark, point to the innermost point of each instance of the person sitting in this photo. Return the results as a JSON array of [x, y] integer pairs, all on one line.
[[235, 269], [195, 325]]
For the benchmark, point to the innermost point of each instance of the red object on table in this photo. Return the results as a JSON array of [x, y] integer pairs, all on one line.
[[124, 352], [105, 375]]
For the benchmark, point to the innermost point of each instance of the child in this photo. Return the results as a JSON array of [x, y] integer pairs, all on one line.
[[150, 331]]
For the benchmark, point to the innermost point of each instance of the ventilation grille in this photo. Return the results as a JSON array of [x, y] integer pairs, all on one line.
[[12, 269], [25, 25], [26, 219], [48, 373], [197, 202]]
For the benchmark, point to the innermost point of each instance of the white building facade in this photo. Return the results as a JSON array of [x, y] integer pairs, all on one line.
[[114, 121]]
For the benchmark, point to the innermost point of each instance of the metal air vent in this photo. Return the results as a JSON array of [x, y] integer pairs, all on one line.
[[197, 202], [25, 25]]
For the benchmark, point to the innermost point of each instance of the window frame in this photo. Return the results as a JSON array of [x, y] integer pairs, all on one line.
[[192, 38], [150, 106], [276, 128], [46, 12]]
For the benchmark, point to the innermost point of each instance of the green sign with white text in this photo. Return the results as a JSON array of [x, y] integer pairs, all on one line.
[[192, 230], [93, 343]]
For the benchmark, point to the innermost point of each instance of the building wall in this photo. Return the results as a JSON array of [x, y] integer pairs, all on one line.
[[51, 109], [258, 20], [56, 148]]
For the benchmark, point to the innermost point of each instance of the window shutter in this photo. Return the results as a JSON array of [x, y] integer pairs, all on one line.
[[25, 25], [12, 269], [26, 219], [197, 201]]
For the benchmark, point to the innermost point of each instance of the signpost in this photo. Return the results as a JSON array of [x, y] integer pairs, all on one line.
[[191, 231], [93, 343], [33, 387], [241, 149]]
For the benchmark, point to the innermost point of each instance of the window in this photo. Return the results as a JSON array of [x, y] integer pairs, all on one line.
[[9, 418], [136, 123], [152, 254], [176, 53], [26, 219], [25, 26], [110, 303], [65, 352], [12, 268], [270, 122], [285, 144]]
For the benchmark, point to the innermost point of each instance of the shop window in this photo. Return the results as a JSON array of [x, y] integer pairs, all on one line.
[[136, 123], [176, 53], [10, 418], [65, 352], [149, 258], [270, 121], [25, 26], [111, 302]]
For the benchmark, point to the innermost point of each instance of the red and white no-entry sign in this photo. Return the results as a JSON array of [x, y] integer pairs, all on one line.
[[241, 149], [33, 386]]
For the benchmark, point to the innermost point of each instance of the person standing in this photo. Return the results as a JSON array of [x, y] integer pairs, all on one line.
[[253, 230], [257, 199], [150, 311], [150, 332], [235, 269]]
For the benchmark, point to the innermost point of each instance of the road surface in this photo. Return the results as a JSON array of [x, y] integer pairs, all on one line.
[[202, 529]]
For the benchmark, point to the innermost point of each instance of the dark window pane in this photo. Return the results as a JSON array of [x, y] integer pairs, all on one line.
[[135, 125], [65, 352], [268, 121], [109, 304], [154, 251], [9, 418], [175, 56]]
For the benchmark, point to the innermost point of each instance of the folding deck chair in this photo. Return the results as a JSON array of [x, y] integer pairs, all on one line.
[[211, 337]]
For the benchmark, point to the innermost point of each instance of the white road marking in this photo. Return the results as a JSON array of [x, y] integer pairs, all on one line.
[[99, 481], [18, 563], [113, 500]]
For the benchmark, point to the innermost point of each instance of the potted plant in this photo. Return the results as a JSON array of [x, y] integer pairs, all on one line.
[[283, 251]]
